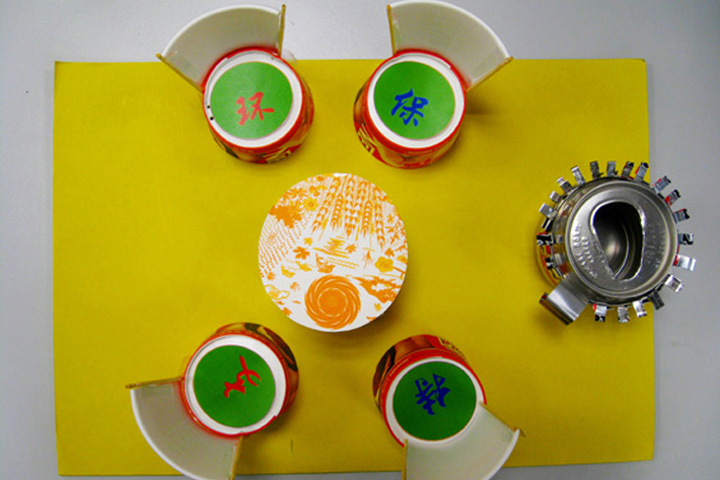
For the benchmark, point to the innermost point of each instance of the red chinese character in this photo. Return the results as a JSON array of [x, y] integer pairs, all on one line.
[[239, 385], [256, 108]]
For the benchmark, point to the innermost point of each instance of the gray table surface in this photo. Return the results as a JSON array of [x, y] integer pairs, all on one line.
[[679, 39]]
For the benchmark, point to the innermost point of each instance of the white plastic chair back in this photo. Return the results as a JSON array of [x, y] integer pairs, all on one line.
[[175, 436], [450, 32], [478, 453], [194, 50]]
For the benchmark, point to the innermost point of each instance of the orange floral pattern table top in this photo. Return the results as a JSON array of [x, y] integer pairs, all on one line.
[[333, 252]]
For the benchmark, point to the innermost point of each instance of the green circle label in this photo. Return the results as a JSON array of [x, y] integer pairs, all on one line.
[[414, 100], [434, 400], [234, 386], [251, 100]]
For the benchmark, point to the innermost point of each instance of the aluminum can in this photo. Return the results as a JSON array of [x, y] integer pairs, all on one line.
[[258, 107], [240, 380], [611, 242], [408, 114], [426, 390]]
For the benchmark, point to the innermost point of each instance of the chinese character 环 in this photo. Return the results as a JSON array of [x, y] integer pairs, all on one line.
[[256, 108], [409, 112], [239, 384], [428, 396]]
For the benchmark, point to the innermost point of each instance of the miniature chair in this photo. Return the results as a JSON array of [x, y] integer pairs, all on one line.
[[237, 383], [434, 405], [408, 114], [257, 106]]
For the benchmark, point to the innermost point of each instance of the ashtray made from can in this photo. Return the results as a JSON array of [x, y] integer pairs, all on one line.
[[610, 242], [333, 253], [434, 404], [237, 383], [408, 114], [258, 107]]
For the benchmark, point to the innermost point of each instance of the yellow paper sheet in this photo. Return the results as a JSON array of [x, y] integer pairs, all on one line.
[[156, 234]]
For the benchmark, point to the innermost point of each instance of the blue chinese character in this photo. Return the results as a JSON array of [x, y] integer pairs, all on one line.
[[428, 396], [409, 112]]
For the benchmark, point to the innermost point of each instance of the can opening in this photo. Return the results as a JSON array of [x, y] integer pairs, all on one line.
[[618, 227]]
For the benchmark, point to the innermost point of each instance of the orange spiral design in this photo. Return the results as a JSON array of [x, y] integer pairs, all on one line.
[[332, 302]]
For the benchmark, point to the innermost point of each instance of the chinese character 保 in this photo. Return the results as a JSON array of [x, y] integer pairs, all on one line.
[[409, 112], [429, 393], [239, 384], [256, 108]]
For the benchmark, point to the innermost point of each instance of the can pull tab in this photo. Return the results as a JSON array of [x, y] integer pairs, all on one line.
[[565, 301]]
